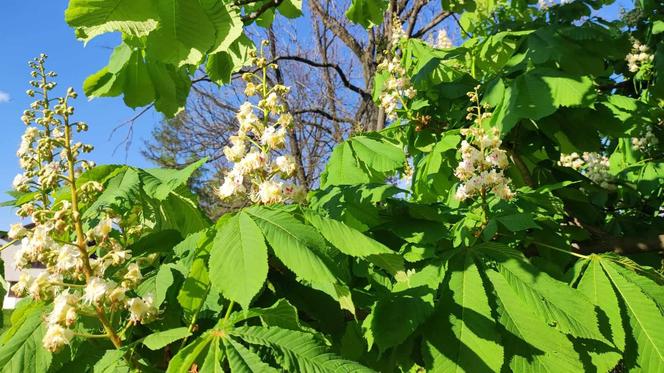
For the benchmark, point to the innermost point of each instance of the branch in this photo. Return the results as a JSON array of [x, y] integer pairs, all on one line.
[[324, 114], [338, 29], [254, 15], [433, 23], [412, 16], [623, 245], [336, 67]]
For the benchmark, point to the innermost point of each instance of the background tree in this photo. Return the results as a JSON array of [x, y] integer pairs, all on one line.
[[328, 61]]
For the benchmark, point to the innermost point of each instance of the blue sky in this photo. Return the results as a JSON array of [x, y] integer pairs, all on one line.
[[22, 39]]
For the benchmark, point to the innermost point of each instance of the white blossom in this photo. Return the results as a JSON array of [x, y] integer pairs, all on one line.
[[69, 257], [482, 164], [270, 192], [286, 165], [16, 231], [141, 309], [20, 182], [95, 290], [274, 138], [56, 337]]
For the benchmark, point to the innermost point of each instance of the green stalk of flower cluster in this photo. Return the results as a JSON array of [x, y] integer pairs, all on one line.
[[81, 241]]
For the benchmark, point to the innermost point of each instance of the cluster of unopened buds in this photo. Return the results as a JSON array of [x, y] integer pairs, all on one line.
[[646, 141], [638, 57], [76, 281], [397, 33], [482, 165], [259, 171], [593, 165]]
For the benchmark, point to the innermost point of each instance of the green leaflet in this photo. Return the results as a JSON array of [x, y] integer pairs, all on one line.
[[95, 17], [281, 314], [241, 359], [463, 334], [225, 21], [238, 259], [411, 299], [192, 353], [557, 304], [530, 344], [378, 153], [645, 318], [112, 361], [354, 243], [300, 248], [539, 93], [595, 285], [363, 159], [196, 285], [22, 349], [367, 13], [214, 358], [343, 168], [159, 340], [184, 35], [164, 181], [299, 351]]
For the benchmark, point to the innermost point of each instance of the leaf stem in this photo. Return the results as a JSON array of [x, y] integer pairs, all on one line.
[[561, 250]]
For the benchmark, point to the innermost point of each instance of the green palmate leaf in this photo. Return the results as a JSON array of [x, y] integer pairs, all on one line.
[[596, 286], [160, 340], [299, 352], [343, 168], [354, 243], [645, 319], [22, 349], [367, 13], [539, 93], [238, 260], [95, 17], [241, 359], [463, 335], [160, 182], [299, 247], [558, 304], [378, 154], [530, 344]]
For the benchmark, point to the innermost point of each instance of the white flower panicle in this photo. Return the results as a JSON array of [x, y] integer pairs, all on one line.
[[593, 165], [482, 165], [75, 283], [259, 173], [397, 32], [443, 41], [396, 87], [639, 57]]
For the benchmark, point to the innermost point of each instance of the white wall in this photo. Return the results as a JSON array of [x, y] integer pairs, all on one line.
[[11, 273]]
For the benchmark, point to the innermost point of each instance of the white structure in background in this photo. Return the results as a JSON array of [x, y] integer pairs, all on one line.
[[11, 273]]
